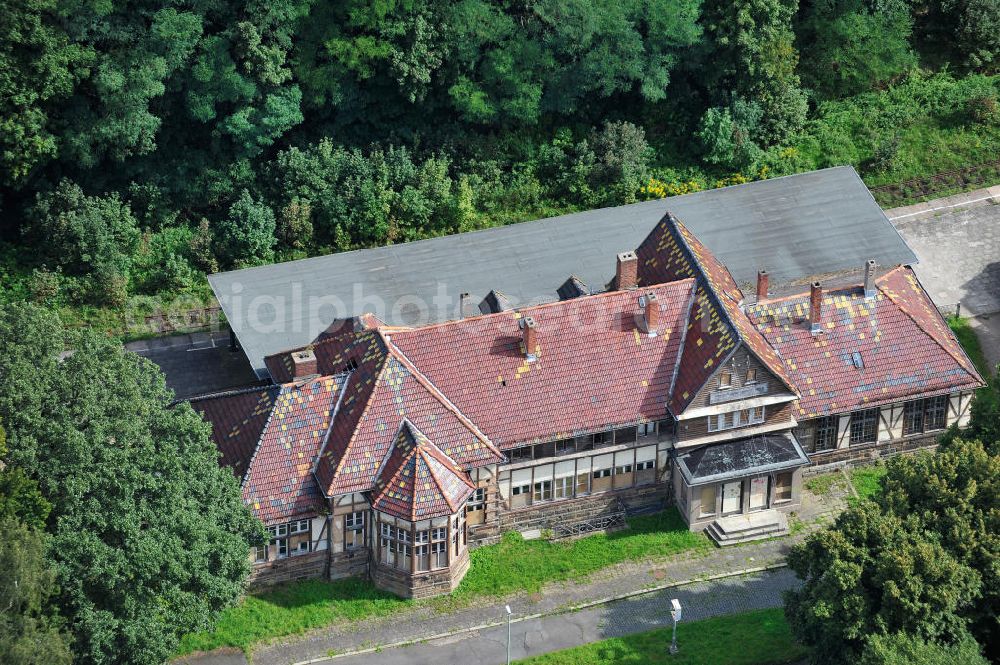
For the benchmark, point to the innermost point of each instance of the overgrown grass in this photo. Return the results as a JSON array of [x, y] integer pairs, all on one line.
[[866, 480], [512, 565], [515, 564], [824, 483], [292, 609], [754, 638], [970, 342]]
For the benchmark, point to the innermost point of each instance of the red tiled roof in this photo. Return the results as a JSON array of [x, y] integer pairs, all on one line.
[[905, 347], [384, 390], [273, 447], [238, 419], [418, 481], [716, 324], [594, 368]]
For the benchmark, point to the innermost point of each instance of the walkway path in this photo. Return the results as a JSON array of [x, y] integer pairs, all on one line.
[[531, 637]]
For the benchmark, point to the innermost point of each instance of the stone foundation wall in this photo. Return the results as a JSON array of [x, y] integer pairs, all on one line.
[[349, 564], [301, 567], [869, 453], [550, 514], [424, 584]]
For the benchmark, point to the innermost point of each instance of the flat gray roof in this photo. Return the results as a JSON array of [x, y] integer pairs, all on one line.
[[812, 223]]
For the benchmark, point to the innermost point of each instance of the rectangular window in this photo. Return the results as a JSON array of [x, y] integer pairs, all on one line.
[[439, 555], [301, 526], [585, 442], [864, 426], [647, 429], [582, 483], [547, 449], [708, 495], [913, 417], [782, 487], [625, 435], [475, 507], [565, 446], [603, 439], [602, 473], [826, 433], [260, 554], [282, 547], [422, 553], [354, 530], [522, 454], [726, 379], [751, 375], [564, 487], [937, 412], [543, 491]]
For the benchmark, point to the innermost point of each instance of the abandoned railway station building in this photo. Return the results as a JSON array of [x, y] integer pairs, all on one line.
[[698, 352]]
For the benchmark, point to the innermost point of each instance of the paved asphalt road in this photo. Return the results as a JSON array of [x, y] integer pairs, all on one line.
[[959, 252], [531, 637]]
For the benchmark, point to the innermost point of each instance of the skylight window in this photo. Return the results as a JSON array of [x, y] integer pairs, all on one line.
[[858, 361]]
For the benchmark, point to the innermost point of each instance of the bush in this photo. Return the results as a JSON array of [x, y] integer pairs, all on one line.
[[87, 236], [245, 237], [983, 110], [902, 649]]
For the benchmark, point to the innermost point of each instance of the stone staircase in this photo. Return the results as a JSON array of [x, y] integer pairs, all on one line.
[[745, 528]]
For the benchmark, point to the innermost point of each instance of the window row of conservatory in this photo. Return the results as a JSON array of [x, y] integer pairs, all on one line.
[[581, 476]]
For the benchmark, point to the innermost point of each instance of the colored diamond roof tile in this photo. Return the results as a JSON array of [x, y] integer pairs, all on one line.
[[905, 347], [418, 481], [716, 324], [273, 447], [238, 418]]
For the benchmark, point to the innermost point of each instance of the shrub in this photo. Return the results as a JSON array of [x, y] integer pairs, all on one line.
[[983, 110], [246, 235]]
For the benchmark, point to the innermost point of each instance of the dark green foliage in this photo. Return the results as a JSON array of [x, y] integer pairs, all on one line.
[[30, 631], [86, 236], [854, 46], [246, 236], [148, 533], [901, 649], [956, 492], [875, 573], [754, 58]]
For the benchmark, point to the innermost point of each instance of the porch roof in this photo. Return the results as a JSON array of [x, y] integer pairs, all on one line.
[[743, 457]]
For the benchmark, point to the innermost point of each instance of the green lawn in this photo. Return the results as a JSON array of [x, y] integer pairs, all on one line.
[[824, 483], [292, 609], [515, 564], [754, 638], [511, 565], [866, 480], [970, 342]]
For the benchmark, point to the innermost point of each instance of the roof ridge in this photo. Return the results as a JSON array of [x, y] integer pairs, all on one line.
[[684, 333], [225, 393], [544, 305], [260, 439], [962, 359], [398, 354], [437, 481], [385, 461], [354, 432], [678, 226]]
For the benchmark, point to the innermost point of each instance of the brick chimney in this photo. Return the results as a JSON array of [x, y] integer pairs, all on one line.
[[529, 334], [650, 318], [816, 308], [870, 279], [304, 364], [627, 273], [762, 281]]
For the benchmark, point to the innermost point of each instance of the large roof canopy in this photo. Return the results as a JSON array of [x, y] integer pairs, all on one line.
[[812, 223]]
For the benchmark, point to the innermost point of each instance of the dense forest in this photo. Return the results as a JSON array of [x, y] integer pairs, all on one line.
[[145, 143]]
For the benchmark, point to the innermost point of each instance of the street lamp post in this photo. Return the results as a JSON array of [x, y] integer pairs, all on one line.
[[507, 607], [675, 614]]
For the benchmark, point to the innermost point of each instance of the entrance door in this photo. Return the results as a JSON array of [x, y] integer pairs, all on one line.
[[758, 493], [732, 497]]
